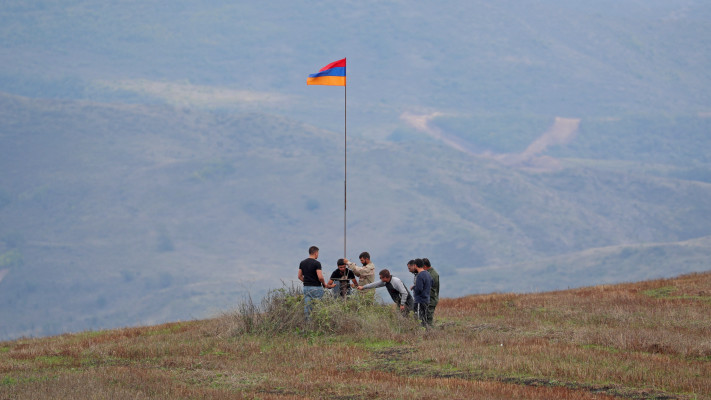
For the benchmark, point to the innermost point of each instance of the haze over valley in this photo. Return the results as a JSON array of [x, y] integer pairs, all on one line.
[[160, 162]]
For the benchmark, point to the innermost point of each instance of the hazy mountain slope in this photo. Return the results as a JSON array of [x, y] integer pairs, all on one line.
[[114, 215], [561, 57], [611, 264], [114, 204], [168, 158], [680, 140]]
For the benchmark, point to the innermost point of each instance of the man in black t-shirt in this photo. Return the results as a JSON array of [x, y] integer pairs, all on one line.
[[341, 276], [312, 277]]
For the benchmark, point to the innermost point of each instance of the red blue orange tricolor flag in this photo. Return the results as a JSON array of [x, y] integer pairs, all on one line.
[[334, 74]]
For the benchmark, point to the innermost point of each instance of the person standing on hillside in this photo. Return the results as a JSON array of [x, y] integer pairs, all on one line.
[[366, 273], [434, 292], [421, 291], [397, 290], [311, 275], [343, 276], [413, 270]]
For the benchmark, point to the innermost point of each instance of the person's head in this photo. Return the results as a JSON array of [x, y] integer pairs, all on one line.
[[385, 276], [426, 262], [411, 266], [341, 265], [313, 252], [364, 257], [419, 264]]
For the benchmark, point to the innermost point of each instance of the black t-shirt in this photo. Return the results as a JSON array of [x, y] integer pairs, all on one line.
[[338, 275], [309, 267]]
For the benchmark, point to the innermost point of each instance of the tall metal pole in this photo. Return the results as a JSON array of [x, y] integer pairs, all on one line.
[[345, 165]]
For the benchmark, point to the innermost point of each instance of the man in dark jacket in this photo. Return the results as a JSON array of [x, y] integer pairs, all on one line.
[[434, 292], [421, 291]]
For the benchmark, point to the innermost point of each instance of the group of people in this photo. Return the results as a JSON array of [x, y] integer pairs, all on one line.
[[425, 288]]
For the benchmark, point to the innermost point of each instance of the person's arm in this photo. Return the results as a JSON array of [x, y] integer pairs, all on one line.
[[373, 285], [352, 277], [353, 267], [320, 277], [330, 284], [301, 275]]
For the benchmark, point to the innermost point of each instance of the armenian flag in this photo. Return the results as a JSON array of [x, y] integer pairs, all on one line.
[[334, 74]]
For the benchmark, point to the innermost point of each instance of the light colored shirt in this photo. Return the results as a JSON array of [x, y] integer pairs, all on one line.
[[396, 283], [366, 273]]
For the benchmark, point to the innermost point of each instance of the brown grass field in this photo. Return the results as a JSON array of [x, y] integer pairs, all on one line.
[[646, 340]]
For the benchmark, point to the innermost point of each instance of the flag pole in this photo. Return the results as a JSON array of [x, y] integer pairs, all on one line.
[[334, 74], [345, 164]]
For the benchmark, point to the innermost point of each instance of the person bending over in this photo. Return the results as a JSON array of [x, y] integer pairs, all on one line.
[[397, 290]]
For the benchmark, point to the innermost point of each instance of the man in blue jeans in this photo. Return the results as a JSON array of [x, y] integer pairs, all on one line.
[[311, 275]]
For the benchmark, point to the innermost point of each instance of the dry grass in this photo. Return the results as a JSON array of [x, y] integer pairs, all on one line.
[[641, 340]]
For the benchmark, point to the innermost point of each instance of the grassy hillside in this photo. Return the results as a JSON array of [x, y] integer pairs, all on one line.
[[645, 340]]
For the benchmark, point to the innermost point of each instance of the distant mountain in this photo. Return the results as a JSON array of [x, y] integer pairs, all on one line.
[[162, 160], [565, 58], [114, 215]]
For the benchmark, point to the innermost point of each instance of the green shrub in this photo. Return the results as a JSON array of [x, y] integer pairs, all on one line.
[[282, 311]]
